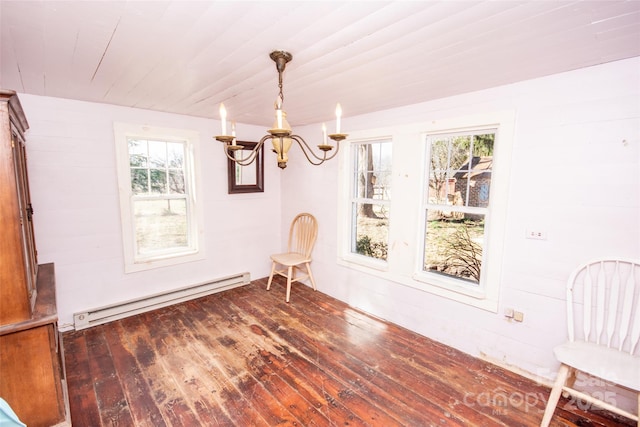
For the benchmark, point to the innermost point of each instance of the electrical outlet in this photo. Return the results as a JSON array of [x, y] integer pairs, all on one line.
[[518, 316], [536, 234]]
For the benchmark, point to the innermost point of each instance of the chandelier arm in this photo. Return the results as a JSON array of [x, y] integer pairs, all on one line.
[[302, 143], [335, 153], [251, 157], [245, 161]]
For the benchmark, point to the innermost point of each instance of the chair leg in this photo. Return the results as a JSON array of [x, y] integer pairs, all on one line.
[[571, 380], [273, 269], [554, 396], [313, 282], [289, 273]]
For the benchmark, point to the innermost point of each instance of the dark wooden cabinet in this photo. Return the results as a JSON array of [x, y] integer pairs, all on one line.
[[32, 376]]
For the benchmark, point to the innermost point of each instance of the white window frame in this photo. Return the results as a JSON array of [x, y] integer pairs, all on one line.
[[450, 282], [122, 133], [372, 262], [407, 223], [345, 226]]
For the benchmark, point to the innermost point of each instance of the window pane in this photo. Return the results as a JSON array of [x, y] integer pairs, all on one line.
[[160, 225], [473, 180], [137, 153], [372, 171], [439, 183], [139, 181], [363, 170], [439, 153], [158, 181], [382, 185], [483, 144], [175, 154], [457, 178], [459, 153], [478, 186], [157, 154], [370, 230], [442, 190], [176, 182], [454, 244]]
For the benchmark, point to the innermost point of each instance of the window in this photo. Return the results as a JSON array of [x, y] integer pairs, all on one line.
[[457, 203], [450, 186], [159, 196], [370, 198], [159, 213]]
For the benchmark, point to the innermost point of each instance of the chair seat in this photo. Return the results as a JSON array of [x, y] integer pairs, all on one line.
[[290, 259], [607, 363]]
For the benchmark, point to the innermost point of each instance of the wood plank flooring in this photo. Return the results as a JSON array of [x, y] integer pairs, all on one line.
[[244, 357]]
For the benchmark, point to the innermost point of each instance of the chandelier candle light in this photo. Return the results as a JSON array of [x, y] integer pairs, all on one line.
[[281, 135]]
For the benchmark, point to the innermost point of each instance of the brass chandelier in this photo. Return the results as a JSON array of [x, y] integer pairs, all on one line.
[[280, 135]]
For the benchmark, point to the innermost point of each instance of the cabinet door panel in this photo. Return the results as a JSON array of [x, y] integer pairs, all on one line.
[[30, 367], [16, 291], [26, 215]]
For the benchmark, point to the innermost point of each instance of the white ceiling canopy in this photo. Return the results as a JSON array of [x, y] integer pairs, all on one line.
[[188, 56]]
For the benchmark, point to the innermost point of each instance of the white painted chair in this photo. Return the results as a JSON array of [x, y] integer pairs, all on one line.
[[302, 238], [603, 317]]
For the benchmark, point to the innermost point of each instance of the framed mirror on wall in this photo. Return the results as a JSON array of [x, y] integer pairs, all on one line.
[[250, 178]]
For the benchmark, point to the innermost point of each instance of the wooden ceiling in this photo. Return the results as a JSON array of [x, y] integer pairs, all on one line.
[[188, 56]]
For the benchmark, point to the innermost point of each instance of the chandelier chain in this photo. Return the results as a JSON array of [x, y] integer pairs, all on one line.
[[281, 95]]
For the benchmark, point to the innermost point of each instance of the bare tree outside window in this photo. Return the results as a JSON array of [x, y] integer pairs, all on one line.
[[366, 179]]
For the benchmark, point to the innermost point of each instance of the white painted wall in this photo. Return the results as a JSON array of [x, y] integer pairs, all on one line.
[[72, 171], [572, 177]]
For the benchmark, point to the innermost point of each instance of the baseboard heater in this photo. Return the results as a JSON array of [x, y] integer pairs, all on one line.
[[98, 316]]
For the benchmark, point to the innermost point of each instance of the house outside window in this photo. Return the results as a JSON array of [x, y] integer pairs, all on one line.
[[160, 216], [370, 198]]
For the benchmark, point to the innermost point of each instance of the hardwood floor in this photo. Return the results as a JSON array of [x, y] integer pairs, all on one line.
[[246, 358]]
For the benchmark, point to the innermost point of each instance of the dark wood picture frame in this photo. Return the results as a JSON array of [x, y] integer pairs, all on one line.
[[257, 186]]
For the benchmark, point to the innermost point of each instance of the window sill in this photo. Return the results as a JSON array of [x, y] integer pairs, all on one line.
[[472, 296], [363, 263], [167, 261], [451, 289]]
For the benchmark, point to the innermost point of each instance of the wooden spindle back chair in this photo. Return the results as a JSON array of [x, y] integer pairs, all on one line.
[[603, 317], [302, 237]]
